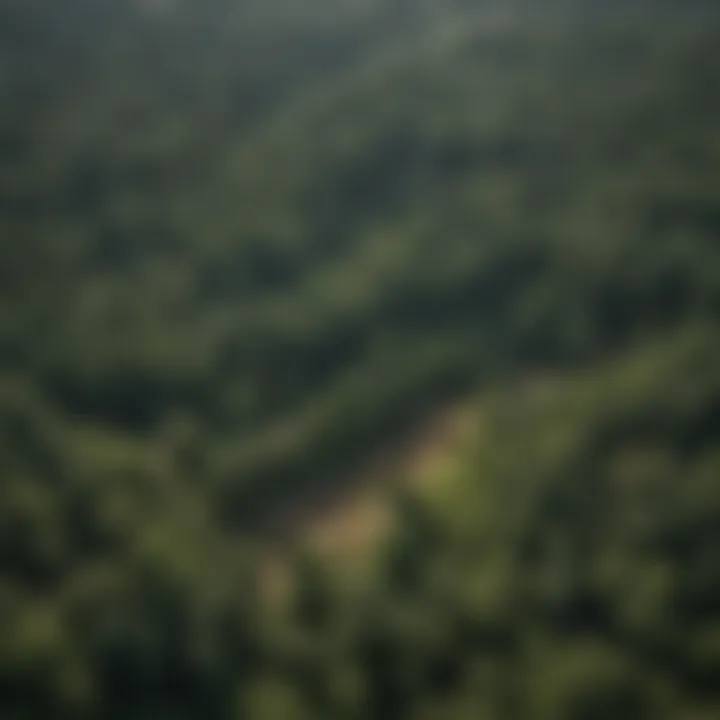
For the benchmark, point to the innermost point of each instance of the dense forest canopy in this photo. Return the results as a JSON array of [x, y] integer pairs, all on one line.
[[245, 244]]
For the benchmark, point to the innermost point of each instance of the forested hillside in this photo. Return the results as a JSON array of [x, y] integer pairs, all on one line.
[[244, 245]]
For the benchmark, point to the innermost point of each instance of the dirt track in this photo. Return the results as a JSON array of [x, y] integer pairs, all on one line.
[[347, 518]]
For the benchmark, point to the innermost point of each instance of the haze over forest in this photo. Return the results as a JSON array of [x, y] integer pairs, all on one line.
[[437, 282]]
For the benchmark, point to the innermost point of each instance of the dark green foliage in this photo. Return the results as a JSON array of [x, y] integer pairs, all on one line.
[[243, 244]]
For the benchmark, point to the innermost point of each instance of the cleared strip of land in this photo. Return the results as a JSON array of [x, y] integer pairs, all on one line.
[[345, 523]]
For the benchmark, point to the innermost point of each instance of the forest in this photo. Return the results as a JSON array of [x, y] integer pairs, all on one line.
[[247, 245]]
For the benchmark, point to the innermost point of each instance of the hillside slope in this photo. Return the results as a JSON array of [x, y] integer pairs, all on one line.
[[243, 248], [274, 301]]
